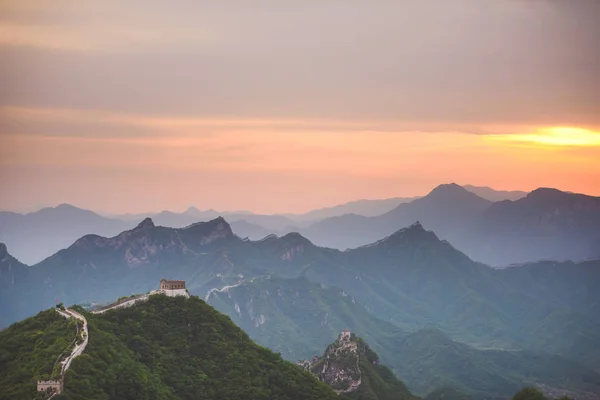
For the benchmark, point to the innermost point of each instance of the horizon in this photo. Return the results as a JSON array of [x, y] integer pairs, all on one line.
[[247, 211]]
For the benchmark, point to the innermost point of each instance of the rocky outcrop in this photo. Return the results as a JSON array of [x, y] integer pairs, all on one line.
[[340, 365]]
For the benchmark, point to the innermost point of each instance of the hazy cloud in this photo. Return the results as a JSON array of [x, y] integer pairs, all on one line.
[[502, 61]]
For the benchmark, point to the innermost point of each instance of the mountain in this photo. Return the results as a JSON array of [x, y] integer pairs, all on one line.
[[432, 360], [352, 369], [495, 195], [297, 318], [164, 348], [411, 280], [366, 208], [23, 362], [246, 229], [545, 224], [12, 274], [96, 268], [444, 209], [34, 236], [268, 223]]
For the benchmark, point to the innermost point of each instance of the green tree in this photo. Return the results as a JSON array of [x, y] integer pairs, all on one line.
[[529, 394]]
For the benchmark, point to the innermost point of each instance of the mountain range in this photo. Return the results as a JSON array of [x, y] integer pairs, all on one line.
[[33, 237], [409, 286], [547, 224]]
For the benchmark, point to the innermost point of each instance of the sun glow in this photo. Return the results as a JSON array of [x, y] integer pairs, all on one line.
[[554, 136]]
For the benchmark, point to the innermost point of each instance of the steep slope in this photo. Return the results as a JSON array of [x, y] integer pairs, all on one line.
[[35, 236], [170, 348], [352, 369], [208, 255], [295, 317], [547, 224], [298, 318], [13, 273], [28, 351], [436, 285], [432, 281]]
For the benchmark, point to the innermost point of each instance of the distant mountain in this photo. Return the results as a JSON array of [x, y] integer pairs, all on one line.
[[366, 208], [245, 229], [495, 195], [268, 223], [34, 236], [546, 224], [163, 349], [444, 209], [13, 273]]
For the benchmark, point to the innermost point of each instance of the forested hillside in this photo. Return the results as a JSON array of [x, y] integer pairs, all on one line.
[[165, 348]]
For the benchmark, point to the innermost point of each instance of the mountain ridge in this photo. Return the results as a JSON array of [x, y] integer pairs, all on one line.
[[164, 348], [545, 224]]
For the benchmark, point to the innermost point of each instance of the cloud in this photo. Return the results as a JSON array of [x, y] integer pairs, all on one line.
[[81, 123], [470, 62]]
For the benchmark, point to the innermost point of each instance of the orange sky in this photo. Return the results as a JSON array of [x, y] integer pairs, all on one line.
[[270, 166], [295, 105]]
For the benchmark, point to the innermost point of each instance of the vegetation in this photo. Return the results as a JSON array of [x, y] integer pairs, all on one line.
[[447, 393], [28, 351], [178, 348], [343, 366], [302, 318], [378, 382], [529, 393]]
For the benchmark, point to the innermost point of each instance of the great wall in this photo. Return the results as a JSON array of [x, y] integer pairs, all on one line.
[[55, 386]]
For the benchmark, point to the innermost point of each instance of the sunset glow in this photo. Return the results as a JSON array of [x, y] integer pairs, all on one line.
[[555, 136]]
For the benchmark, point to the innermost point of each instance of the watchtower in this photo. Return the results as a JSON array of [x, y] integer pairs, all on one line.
[[55, 386], [166, 284]]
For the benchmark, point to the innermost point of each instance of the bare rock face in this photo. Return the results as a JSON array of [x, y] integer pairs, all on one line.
[[339, 367]]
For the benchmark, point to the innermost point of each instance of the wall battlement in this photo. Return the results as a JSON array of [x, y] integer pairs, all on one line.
[[166, 284], [55, 386]]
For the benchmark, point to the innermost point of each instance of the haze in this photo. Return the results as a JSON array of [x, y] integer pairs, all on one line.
[[286, 106]]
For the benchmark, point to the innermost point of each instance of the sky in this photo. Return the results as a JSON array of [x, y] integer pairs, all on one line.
[[289, 105]]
